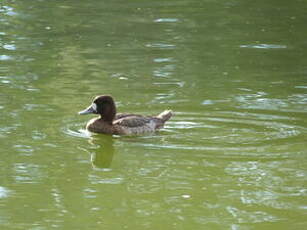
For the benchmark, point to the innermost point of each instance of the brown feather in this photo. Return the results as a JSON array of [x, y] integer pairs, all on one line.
[[111, 123]]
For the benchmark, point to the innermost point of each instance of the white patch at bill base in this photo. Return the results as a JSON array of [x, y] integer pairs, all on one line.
[[94, 106]]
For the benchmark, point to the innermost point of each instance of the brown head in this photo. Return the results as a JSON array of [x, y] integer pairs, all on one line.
[[103, 105]]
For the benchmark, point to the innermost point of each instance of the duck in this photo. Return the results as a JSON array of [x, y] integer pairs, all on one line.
[[110, 122]]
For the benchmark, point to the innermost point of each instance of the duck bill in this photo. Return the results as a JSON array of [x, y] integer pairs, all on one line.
[[88, 110]]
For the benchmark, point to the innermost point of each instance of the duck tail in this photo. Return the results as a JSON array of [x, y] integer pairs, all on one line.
[[165, 115]]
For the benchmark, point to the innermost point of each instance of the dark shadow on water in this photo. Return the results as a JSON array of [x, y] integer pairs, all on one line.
[[102, 155]]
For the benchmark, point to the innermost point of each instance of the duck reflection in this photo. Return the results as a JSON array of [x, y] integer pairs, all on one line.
[[102, 155]]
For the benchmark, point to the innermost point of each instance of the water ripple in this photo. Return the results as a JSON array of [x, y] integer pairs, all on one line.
[[4, 192], [9, 47], [264, 46], [5, 57], [161, 45], [168, 20], [75, 130], [236, 133]]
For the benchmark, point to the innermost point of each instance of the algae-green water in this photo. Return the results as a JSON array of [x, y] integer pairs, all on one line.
[[232, 157]]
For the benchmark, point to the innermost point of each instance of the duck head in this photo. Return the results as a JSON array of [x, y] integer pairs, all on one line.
[[104, 106]]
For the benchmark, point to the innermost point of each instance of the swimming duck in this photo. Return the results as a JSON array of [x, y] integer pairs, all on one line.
[[111, 123]]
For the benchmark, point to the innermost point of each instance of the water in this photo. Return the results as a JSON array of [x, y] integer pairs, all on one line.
[[232, 157]]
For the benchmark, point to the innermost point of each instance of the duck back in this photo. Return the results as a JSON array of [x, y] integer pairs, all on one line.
[[137, 124]]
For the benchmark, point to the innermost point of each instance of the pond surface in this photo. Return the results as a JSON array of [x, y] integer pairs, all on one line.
[[233, 156]]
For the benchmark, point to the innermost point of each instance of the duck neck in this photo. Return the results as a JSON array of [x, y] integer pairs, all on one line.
[[109, 114]]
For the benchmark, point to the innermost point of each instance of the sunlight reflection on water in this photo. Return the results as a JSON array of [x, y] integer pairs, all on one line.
[[264, 46], [75, 130], [166, 20], [232, 156], [4, 192], [234, 133]]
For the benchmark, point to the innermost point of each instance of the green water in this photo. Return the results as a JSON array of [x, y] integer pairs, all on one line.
[[233, 156]]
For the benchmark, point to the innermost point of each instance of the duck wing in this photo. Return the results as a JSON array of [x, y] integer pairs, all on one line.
[[133, 121], [122, 115]]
